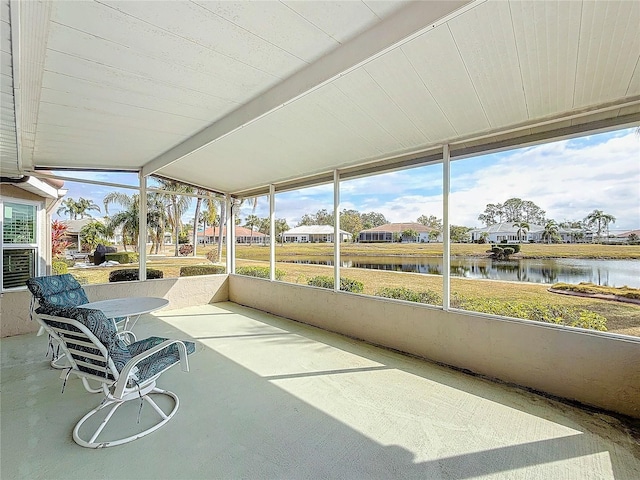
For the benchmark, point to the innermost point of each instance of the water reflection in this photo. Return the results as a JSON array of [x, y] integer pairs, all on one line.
[[613, 273]]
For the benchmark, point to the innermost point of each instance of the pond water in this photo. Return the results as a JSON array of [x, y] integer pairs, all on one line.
[[612, 273]]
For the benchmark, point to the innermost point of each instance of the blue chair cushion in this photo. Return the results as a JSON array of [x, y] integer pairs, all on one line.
[[159, 361], [105, 330], [95, 320], [63, 290]]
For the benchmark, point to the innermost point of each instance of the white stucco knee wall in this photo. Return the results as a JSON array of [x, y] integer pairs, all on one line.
[[181, 292], [595, 369]]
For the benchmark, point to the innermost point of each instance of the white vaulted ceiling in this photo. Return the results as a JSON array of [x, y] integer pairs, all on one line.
[[235, 96]]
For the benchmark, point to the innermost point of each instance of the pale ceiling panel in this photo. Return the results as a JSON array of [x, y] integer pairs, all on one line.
[[5, 63], [609, 51], [359, 86], [117, 111], [77, 118], [548, 53], [108, 78], [397, 77], [99, 92], [382, 8], [348, 115], [436, 59], [634, 84], [229, 84], [491, 58], [277, 24], [340, 20], [177, 28]]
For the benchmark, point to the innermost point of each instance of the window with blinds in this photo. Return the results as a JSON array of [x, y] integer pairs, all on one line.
[[19, 225], [18, 265], [19, 243]]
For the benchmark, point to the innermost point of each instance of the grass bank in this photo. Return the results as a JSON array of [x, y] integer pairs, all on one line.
[[529, 250], [621, 318]]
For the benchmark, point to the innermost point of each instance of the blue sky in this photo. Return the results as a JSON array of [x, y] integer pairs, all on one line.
[[568, 179]]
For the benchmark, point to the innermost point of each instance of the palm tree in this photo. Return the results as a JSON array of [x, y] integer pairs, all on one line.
[[208, 216], [221, 220], [601, 220], [127, 219], [523, 228], [84, 205], [178, 204], [92, 234], [251, 222], [210, 205], [156, 220], [550, 230], [68, 207]]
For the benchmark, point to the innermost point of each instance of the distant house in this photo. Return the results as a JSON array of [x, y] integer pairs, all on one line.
[[313, 234], [390, 232], [508, 232], [243, 235]]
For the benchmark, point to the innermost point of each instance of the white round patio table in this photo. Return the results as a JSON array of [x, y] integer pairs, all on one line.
[[129, 308]]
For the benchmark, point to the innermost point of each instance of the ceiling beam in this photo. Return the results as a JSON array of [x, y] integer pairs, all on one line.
[[396, 29]]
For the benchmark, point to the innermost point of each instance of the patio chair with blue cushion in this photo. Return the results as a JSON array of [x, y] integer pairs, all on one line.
[[57, 290], [126, 372], [61, 290]]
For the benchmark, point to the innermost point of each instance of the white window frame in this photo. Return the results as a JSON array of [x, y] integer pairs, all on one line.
[[36, 247]]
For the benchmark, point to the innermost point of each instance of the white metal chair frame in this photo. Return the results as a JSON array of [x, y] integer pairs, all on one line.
[[117, 390]]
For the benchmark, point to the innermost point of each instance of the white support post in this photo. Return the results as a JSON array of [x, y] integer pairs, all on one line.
[[142, 232], [446, 240], [229, 227], [336, 231], [272, 232]]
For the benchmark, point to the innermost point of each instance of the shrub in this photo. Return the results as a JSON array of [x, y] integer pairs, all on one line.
[[130, 274], [59, 267], [212, 255], [558, 314], [346, 284], [260, 272], [403, 293], [185, 249], [122, 257], [193, 270], [508, 251]]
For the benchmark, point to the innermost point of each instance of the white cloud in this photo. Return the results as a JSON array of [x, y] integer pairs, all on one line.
[[567, 179]]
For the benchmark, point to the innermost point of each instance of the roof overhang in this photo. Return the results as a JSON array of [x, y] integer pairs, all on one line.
[[237, 97]]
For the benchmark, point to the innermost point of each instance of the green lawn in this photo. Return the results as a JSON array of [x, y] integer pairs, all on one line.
[[621, 318]]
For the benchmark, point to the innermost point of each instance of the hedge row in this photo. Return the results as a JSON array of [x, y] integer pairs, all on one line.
[[346, 284], [131, 274], [260, 272], [193, 270], [403, 293]]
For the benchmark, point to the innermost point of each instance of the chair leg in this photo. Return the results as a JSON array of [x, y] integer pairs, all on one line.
[[115, 404]]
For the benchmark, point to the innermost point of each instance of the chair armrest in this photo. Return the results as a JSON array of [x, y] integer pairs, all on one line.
[[123, 379]]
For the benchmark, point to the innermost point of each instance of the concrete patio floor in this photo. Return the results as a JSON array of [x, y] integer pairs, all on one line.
[[268, 398]]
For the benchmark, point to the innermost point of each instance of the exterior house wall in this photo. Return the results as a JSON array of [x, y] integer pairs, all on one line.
[[600, 370], [181, 292]]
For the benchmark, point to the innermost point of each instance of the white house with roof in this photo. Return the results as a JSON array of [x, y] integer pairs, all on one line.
[[390, 232], [509, 232], [243, 235], [313, 234]]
